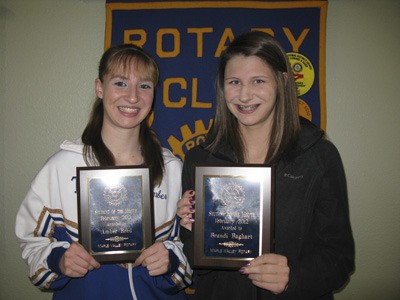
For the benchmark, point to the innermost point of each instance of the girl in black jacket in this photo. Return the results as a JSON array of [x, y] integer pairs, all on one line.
[[257, 122]]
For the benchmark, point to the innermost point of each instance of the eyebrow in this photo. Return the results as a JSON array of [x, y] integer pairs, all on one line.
[[116, 76], [252, 77]]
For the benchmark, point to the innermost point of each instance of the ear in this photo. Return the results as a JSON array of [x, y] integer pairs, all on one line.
[[99, 88], [285, 76]]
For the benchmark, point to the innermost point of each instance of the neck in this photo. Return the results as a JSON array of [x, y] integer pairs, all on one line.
[[124, 145], [256, 144]]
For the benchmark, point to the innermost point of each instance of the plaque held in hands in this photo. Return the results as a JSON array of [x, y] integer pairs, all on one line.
[[115, 213], [234, 215]]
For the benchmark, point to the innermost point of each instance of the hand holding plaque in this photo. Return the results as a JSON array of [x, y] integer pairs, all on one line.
[[233, 219]]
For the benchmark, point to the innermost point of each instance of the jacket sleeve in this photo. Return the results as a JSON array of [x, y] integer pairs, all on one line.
[[326, 257], [179, 274], [41, 231], [181, 270]]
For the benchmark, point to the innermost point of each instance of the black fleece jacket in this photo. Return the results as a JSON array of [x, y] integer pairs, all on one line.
[[312, 227]]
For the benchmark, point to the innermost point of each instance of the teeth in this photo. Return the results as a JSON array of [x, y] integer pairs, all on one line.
[[128, 109], [250, 107]]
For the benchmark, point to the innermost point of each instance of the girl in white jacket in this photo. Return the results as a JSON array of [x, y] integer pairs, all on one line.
[[117, 134]]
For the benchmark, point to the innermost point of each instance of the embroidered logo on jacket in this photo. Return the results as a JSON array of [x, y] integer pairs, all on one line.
[[159, 195], [288, 175]]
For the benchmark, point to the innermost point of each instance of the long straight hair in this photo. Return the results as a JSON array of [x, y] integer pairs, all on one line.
[[95, 152], [286, 124]]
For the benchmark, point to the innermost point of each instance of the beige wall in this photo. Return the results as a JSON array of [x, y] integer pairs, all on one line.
[[48, 55]]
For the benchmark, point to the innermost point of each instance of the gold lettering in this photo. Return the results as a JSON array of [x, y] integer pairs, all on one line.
[[199, 32], [128, 34], [217, 214], [241, 236], [130, 211], [230, 251], [215, 250], [219, 235], [176, 39], [126, 217], [139, 38], [200, 139], [227, 35], [240, 251], [107, 218], [190, 144], [295, 43], [223, 220], [114, 224], [109, 231], [243, 221], [167, 83], [196, 104], [228, 228]]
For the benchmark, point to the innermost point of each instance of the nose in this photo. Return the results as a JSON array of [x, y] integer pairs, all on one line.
[[245, 94], [132, 94]]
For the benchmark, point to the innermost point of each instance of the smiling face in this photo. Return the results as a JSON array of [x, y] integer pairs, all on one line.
[[127, 95], [250, 91]]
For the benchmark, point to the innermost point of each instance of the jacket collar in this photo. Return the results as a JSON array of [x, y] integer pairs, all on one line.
[[73, 146], [308, 136]]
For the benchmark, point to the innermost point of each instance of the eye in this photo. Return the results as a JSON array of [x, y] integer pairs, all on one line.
[[120, 83], [146, 86], [258, 81], [233, 82]]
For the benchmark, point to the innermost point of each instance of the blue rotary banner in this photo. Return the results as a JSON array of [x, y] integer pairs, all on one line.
[[186, 39]]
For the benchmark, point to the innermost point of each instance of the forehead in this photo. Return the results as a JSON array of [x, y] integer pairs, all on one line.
[[126, 66], [245, 64]]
